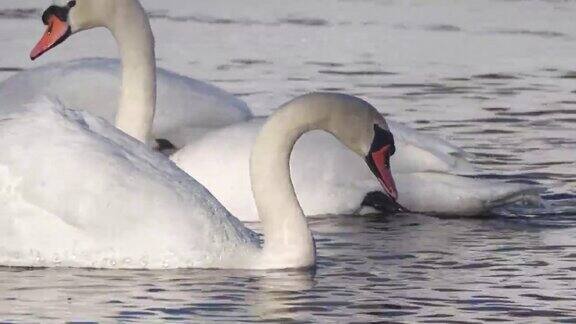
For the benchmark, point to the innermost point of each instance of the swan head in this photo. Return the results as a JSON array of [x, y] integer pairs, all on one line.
[[359, 126], [66, 17], [364, 130]]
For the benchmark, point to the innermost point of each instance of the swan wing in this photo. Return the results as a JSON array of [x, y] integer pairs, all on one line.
[[419, 152]]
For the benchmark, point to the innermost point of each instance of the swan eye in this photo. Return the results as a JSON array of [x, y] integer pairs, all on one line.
[[382, 137], [71, 4]]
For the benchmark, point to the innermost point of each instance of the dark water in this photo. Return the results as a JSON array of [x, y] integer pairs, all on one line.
[[497, 79]]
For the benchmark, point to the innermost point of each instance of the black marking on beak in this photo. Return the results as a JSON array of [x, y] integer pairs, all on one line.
[[56, 11], [382, 138]]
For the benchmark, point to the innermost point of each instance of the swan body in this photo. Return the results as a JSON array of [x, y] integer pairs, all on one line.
[[344, 188], [77, 192], [183, 104], [329, 179]]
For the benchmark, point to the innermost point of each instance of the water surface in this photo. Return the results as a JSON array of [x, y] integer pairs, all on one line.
[[496, 78]]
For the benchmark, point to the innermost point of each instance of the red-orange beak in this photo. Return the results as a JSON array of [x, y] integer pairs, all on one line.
[[379, 162], [56, 33]]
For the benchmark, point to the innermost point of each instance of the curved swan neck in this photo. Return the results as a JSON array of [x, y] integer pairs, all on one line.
[[133, 34], [288, 242]]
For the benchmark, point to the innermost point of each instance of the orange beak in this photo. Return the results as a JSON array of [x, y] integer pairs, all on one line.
[[381, 159], [56, 33]]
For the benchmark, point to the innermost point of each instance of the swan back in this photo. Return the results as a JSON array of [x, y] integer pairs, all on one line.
[[183, 104], [80, 193], [424, 153]]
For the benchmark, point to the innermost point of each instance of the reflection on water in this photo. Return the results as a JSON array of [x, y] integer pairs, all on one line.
[[502, 91], [400, 268]]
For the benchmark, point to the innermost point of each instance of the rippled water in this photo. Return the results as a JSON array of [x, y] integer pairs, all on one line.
[[397, 268], [494, 77]]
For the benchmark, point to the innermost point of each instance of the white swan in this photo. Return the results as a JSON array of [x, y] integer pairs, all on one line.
[[76, 192], [330, 180], [92, 84]]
